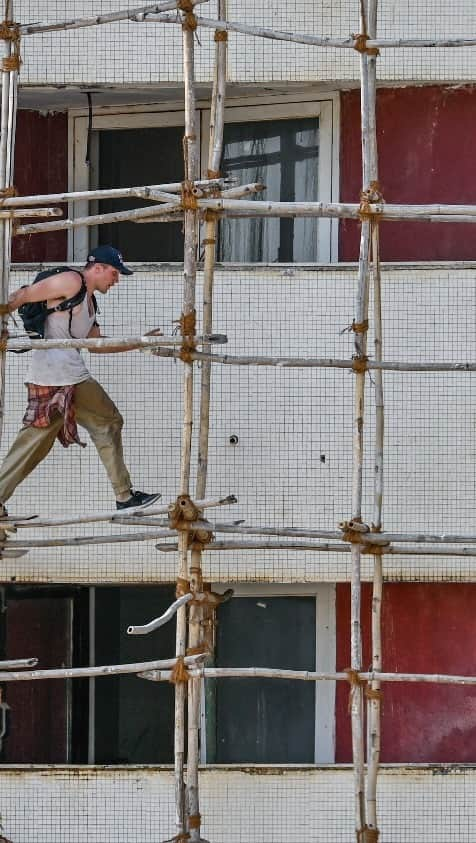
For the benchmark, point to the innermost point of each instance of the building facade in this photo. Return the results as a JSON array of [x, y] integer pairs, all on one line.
[[275, 759]]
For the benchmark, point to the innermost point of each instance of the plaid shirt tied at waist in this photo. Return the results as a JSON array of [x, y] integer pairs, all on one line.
[[45, 403]]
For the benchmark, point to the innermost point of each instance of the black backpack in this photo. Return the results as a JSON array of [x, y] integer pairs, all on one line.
[[34, 314]]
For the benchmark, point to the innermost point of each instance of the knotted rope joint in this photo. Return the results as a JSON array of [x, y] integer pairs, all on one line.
[[179, 672], [361, 45]]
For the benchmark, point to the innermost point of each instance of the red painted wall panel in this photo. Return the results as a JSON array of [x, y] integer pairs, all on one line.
[[426, 142], [41, 166], [427, 628]]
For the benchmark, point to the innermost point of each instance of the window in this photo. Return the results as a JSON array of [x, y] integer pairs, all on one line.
[[128, 720], [291, 147], [271, 721]]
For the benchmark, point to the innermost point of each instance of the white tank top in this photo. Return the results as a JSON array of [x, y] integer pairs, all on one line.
[[63, 366]]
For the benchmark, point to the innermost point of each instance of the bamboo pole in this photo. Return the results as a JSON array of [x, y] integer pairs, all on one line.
[[98, 20], [243, 208], [314, 40], [146, 192], [8, 111], [371, 831], [360, 327], [323, 362], [310, 676], [190, 148], [111, 515], [390, 550], [101, 219], [366, 538], [104, 670], [154, 534], [127, 343], [159, 671], [196, 612]]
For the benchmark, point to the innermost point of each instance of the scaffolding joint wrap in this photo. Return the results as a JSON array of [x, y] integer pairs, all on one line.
[[360, 44], [189, 20], [372, 196], [359, 363], [179, 672]]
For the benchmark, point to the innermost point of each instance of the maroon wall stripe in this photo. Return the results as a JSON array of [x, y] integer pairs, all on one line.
[[41, 166], [427, 628], [426, 144]]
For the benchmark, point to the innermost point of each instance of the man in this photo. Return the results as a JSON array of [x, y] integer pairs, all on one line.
[[61, 390]]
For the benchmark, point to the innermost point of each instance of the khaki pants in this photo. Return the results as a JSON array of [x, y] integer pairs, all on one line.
[[98, 414]]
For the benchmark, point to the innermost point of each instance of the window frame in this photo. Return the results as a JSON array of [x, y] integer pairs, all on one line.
[[325, 596], [326, 107]]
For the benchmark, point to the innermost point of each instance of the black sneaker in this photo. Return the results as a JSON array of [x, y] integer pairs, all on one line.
[[138, 499]]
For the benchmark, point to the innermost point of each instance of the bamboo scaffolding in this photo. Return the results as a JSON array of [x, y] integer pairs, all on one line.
[[133, 215], [190, 148], [8, 115], [323, 362], [128, 343], [388, 550], [111, 515], [307, 675], [160, 671], [373, 693], [365, 537], [104, 670], [196, 611], [360, 348], [98, 20], [233, 207], [146, 192], [350, 43]]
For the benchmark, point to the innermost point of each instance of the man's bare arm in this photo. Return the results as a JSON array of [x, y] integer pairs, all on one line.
[[64, 285], [95, 333]]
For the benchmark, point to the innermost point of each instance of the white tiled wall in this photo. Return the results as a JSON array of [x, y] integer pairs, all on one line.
[[151, 53], [256, 805], [292, 463]]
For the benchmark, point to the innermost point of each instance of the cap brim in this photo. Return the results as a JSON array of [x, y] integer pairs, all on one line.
[[125, 271]]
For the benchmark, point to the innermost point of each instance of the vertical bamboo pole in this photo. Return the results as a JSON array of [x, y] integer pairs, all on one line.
[[190, 144], [360, 348], [10, 52], [374, 693], [196, 614]]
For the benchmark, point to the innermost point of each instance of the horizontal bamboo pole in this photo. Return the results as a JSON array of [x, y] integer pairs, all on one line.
[[18, 213], [105, 670], [110, 515], [15, 664], [256, 208], [310, 676], [243, 190], [144, 342], [97, 20], [314, 40], [101, 219], [82, 541], [142, 192], [327, 547], [322, 362]]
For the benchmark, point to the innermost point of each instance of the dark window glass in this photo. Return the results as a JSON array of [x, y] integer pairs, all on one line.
[[134, 718], [283, 155], [265, 720], [134, 157]]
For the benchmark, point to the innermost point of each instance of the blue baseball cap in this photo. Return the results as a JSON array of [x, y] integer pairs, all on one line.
[[110, 256]]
